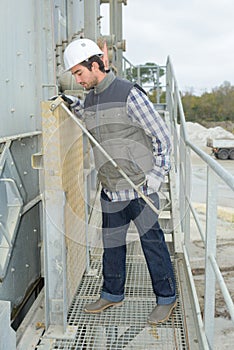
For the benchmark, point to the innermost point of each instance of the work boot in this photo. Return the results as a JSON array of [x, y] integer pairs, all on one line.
[[161, 313], [100, 305]]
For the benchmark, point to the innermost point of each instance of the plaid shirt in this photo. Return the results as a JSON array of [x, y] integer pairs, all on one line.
[[142, 111]]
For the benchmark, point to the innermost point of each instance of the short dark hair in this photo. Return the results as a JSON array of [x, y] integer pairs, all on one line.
[[89, 62]]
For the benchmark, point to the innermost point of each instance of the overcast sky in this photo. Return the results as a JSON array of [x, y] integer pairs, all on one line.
[[198, 35]]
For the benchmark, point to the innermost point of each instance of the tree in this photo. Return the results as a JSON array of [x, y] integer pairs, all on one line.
[[217, 105], [147, 73], [148, 76]]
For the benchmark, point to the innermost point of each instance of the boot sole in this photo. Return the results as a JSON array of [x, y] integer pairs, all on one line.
[[97, 311], [166, 318]]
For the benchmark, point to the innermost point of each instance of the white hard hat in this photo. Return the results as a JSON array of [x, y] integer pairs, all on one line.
[[80, 50]]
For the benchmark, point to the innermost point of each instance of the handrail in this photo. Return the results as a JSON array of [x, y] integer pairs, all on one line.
[[218, 169], [182, 158], [227, 177], [19, 136]]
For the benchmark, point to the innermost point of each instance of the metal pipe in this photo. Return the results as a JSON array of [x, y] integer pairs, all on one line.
[[195, 216], [210, 278], [196, 301], [227, 177], [218, 169], [222, 284], [19, 136]]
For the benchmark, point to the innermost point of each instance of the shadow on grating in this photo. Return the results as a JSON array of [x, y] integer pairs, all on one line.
[[124, 327]]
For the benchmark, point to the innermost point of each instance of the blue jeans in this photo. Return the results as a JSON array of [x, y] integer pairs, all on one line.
[[116, 218]]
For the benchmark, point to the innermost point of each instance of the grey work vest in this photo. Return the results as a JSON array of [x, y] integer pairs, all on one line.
[[124, 140]]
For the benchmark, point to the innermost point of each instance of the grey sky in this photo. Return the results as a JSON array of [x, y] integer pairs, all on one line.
[[198, 35]]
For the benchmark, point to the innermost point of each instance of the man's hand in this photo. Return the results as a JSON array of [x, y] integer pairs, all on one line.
[[153, 182], [72, 101]]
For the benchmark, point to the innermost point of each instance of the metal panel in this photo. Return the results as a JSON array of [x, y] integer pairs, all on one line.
[[21, 152], [18, 81], [19, 189], [10, 209], [20, 219], [65, 251], [7, 335], [24, 266]]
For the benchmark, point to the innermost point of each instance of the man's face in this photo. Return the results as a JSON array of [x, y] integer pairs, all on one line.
[[84, 76]]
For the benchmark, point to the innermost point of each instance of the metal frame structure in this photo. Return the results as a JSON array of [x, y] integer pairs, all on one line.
[[42, 31], [182, 148]]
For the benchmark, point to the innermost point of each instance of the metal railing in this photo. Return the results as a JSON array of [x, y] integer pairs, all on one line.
[[182, 148]]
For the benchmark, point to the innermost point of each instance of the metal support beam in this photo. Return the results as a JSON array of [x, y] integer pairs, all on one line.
[[91, 19], [117, 31], [210, 278], [55, 259], [7, 334]]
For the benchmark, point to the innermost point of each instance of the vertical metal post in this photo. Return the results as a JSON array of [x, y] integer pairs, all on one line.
[[187, 186], [175, 138], [7, 334], [116, 30], [182, 176], [168, 90], [139, 75], [87, 202], [55, 258], [210, 279], [158, 84], [48, 73], [91, 15]]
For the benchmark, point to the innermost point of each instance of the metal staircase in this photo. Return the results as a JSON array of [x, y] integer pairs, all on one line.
[[126, 327]]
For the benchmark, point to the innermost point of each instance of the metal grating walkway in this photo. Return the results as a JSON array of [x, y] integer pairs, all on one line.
[[124, 327]]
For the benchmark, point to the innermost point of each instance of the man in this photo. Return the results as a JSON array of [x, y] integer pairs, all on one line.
[[121, 118]]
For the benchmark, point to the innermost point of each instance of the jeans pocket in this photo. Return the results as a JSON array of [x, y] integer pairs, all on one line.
[[147, 218]]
